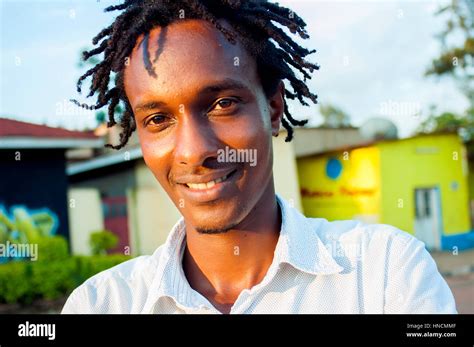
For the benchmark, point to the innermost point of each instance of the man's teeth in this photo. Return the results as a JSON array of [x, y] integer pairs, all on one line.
[[206, 185]]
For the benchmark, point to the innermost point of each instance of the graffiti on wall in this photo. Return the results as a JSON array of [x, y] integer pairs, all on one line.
[[24, 227]]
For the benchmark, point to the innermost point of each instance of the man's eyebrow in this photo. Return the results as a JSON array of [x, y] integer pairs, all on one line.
[[149, 105], [216, 87], [226, 84]]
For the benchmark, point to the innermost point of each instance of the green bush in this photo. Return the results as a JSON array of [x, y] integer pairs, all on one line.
[[14, 286], [24, 281], [103, 240], [52, 248], [51, 279]]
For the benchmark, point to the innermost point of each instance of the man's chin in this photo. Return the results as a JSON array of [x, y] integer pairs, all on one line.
[[213, 230], [213, 225]]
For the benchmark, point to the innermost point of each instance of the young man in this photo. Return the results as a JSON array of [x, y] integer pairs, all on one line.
[[195, 77]]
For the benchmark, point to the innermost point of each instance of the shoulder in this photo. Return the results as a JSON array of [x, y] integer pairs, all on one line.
[[367, 236], [392, 260], [115, 290], [129, 271], [380, 246]]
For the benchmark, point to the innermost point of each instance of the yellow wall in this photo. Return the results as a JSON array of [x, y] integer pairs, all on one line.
[[354, 194], [424, 162], [384, 178]]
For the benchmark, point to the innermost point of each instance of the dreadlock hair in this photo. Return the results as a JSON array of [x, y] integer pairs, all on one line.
[[252, 21]]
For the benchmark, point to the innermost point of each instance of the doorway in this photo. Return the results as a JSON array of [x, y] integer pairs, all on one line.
[[428, 217]]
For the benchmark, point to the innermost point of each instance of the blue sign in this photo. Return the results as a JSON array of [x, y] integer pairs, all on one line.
[[333, 168]]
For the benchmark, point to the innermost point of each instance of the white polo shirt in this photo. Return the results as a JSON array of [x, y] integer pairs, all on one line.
[[318, 267]]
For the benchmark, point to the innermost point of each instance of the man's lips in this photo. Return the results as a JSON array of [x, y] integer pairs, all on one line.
[[210, 184], [207, 180], [210, 187]]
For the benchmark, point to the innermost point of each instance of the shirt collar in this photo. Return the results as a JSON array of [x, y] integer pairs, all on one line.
[[298, 245]]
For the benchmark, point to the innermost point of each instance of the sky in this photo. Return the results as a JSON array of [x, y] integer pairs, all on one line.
[[373, 55]]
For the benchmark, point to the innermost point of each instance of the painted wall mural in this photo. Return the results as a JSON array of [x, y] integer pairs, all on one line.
[[22, 226]]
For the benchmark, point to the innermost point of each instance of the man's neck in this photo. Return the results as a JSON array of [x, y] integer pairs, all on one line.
[[220, 266]]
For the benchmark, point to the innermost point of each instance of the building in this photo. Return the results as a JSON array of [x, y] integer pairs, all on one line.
[[33, 169], [421, 185], [418, 184]]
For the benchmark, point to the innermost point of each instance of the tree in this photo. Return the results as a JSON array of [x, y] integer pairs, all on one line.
[[457, 40], [449, 122], [455, 61], [334, 117], [102, 241]]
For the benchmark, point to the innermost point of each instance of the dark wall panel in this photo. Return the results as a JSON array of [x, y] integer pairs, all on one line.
[[37, 180]]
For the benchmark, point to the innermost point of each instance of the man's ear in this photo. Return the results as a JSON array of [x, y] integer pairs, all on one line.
[[277, 107]]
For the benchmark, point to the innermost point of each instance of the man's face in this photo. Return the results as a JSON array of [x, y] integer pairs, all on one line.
[[203, 102]]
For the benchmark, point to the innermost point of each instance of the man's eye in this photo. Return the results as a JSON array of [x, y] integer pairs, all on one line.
[[156, 120], [223, 104]]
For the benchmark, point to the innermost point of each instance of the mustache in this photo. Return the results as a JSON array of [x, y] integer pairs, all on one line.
[[202, 173]]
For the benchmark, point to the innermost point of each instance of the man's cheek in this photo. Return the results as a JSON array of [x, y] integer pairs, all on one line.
[[153, 162], [154, 150]]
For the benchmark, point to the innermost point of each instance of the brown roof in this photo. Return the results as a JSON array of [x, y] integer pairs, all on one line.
[[14, 128]]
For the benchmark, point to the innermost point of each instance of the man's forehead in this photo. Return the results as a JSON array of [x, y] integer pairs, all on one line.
[[191, 39], [185, 51]]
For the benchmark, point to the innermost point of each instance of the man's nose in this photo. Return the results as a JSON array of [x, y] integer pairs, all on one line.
[[196, 141]]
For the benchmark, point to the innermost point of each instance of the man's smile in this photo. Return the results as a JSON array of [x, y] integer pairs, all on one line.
[[202, 182], [205, 188]]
